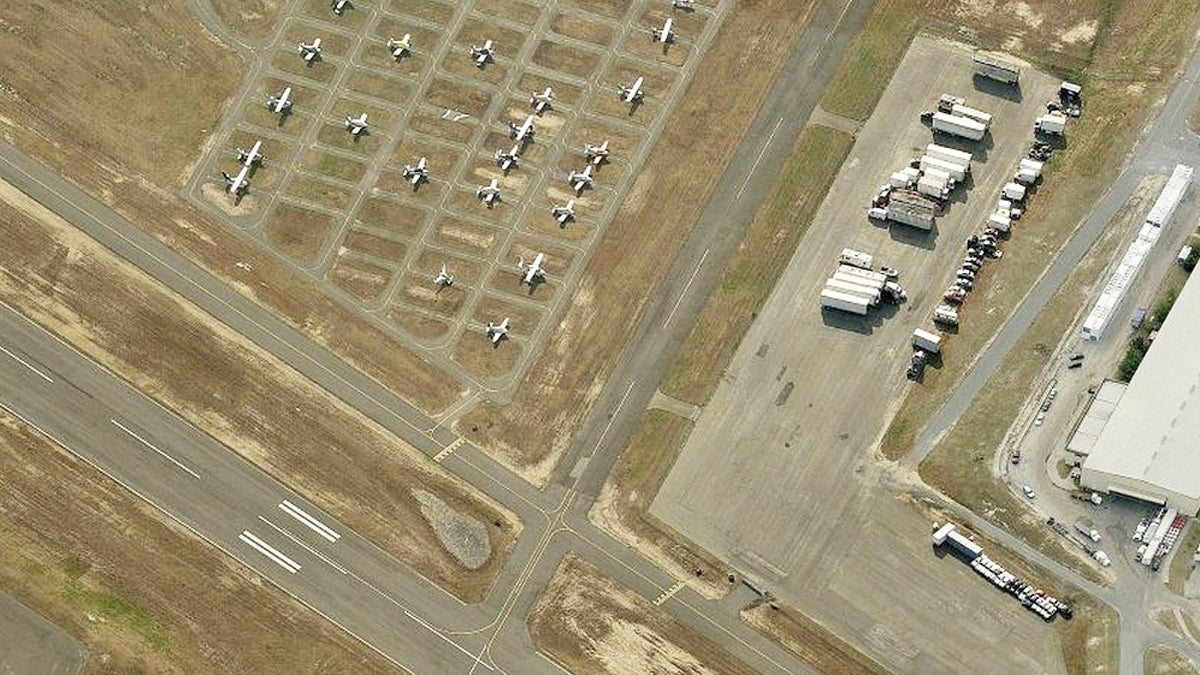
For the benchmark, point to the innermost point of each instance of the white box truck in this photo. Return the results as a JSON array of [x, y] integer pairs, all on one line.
[[1000, 221], [972, 113], [899, 180], [867, 285], [843, 286], [846, 302], [953, 169], [955, 125], [949, 154], [934, 185], [930, 342], [1053, 124], [856, 258], [945, 314], [1013, 192]]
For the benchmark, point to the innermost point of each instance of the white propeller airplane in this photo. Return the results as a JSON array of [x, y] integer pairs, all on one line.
[[281, 104], [400, 48], [356, 125], [490, 193], [497, 331], [683, 4], [581, 180], [238, 185], [340, 6], [596, 154], [565, 213], [632, 94], [482, 54], [509, 160], [310, 52], [664, 35], [416, 174], [522, 133], [534, 271], [543, 101], [253, 157], [444, 279]]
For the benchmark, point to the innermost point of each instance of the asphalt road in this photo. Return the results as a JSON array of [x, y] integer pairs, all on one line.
[[31, 644]]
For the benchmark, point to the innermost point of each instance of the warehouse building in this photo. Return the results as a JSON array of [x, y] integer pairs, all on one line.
[[1149, 447]]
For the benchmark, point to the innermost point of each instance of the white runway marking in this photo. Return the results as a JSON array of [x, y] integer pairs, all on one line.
[[757, 160], [611, 419], [148, 444], [25, 363], [306, 547], [269, 551], [308, 521], [686, 287]]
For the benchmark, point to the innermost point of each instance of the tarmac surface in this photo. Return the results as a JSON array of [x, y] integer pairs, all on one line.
[[31, 644]]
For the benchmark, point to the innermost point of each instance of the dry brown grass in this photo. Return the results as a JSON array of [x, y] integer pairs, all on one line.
[[810, 641], [251, 18], [566, 378], [1164, 660], [750, 275], [140, 592], [254, 404], [590, 624]]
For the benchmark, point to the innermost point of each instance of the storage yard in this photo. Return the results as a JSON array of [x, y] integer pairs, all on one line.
[[772, 472]]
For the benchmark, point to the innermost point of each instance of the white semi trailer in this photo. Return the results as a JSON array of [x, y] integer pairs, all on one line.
[[955, 170], [980, 116], [848, 286], [846, 302], [956, 125], [930, 342], [949, 154], [870, 275]]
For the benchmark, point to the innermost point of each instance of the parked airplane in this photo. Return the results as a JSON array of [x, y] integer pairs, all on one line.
[[310, 52], [400, 48], [497, 331], [238, 185], [416, 174], [565, 213], [280, 104], [522, 133], [542, 102], [482, 54], [533, 271], [444, 278], [683, 4], [490, 193], [253, 157], [340, 6], [509, 160], [664, 34], [356, 125], [632, 94], [580, 180], [596, 154]]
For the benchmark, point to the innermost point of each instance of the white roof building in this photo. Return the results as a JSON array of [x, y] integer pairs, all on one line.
[[1150, 446]]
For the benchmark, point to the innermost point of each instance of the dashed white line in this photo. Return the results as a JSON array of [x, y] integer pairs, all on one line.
[[303, 545], [686, 287], [269, 551], [150, 445], [308, 521], [611, 419], [28, 365], [757, 160]]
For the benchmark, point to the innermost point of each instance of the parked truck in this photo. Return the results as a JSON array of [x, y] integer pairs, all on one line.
[[1013, 192], [1028, 171], [1052, 124], [956, 125], [930, 342], [934, 184], [996, 67], [846, 286], [972, 113], [949, 154], [946, 315], [856, 258], [846, 302], [1089, 530], [955, 170]]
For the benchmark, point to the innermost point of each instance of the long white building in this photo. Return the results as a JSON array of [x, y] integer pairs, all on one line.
[[1149, 447]]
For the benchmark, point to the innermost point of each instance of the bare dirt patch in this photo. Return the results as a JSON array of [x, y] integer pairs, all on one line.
[[512, 10], [421, 291], [314, 190], [532, 432], [579, 27], [613, 9], [440, 158], [386, 250], [363, 279], [251, 18], [217, 380], [459, 131], [467, 236], [391, 216], [1164, 660], [565, 93], [465, 270], [390, 89], [810, 641], [419, 326], [439, 12], [462, 97], [366, 143], [142, 594], [477, 353], [566, 58], [589, 623], [334, 166], [299, 233]]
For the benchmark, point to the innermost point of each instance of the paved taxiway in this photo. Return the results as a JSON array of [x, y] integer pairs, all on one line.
[[32, 644]]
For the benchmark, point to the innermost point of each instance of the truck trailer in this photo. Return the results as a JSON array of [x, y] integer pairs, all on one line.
[[856, 258], [930, 342], [1052, 124], [945, 314], [980, 116], [849, 286], [846, 302], [934, 184], [956, 125], [996, 67], [955, 170], [949, 154], [1013, 192], [870, 285], [870, 275]]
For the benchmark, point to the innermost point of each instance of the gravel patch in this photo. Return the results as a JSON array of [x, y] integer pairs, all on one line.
[[464, 537]]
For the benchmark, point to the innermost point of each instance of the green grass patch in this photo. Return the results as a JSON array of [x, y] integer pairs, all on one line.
[[1181, 561], [765, 250], [871, 60], [110, 606]]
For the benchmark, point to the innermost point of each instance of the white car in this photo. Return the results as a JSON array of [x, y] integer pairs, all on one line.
[[1028, 491], [1041, 417]]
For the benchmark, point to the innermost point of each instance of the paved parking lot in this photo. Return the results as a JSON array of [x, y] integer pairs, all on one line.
[[339, 208], [779, 476]]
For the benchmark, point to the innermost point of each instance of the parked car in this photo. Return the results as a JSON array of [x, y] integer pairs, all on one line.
[[1028, 491]]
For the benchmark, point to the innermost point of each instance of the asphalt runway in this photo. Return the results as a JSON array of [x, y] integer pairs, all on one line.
[[31, 644]]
